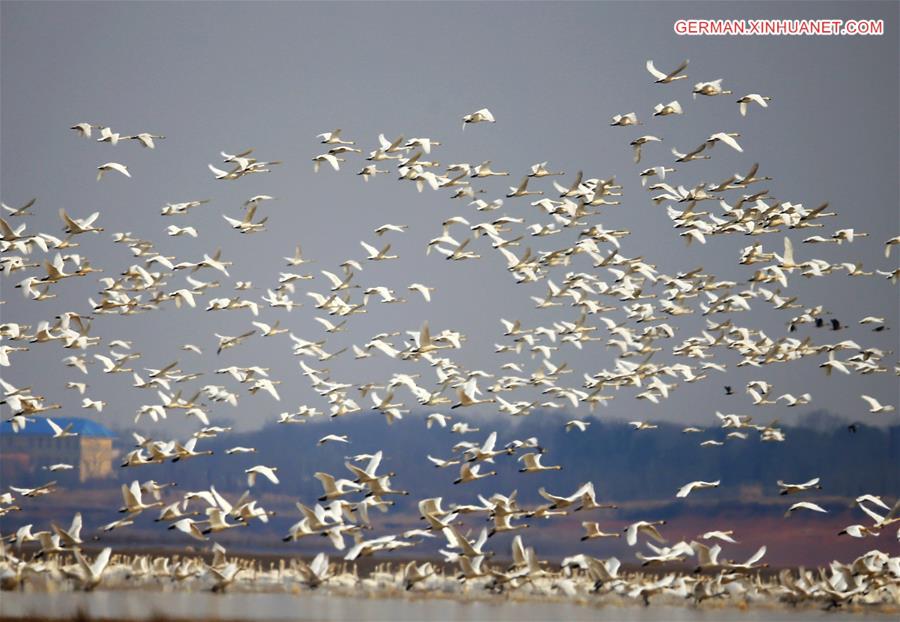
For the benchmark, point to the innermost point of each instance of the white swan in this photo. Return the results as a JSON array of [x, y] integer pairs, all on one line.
[[593, 531], [663, 110], [710, 89], [265, 471], [533, 464], [875, 406], [146, 139], [666, 78], [752, 98], [688, 488], [470, 473], [479, 116], [625, 120], [804, 505], [92, 572], [112, 166]]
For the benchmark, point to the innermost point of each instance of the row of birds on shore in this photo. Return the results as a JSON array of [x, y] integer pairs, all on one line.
[[593, 293], [870, 580]]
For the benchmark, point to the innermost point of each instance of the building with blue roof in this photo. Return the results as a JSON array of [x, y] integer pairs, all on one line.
[[29, 453]]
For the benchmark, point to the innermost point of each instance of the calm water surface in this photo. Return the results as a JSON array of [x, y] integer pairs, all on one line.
[[136, 605]]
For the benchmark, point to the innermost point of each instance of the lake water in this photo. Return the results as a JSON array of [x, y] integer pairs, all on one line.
[[320, 607]]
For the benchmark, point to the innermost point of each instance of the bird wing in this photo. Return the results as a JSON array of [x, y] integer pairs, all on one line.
[[269, 474], [788, 252], [685, 490], [728, 140], [490, 442], [373, 252], [374, 463], [127, 497], [631, 534], [679, 69], [220, 500], [100, 562], [871, 401], [757, 556], [656, 73], [877, 518], [219, 173], [119, 167]]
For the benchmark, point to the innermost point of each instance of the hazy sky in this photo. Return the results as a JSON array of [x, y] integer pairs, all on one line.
[[229, 76]]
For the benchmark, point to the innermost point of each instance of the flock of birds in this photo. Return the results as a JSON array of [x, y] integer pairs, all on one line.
[[622, 302]]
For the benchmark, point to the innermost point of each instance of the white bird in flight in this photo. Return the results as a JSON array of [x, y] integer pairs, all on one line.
[[875, 406], [112, 166], [685, 490], [146, 139], [265, 471], [804, 505], [789, 489], [479, 116], [333, 438], [752, 98], [666, 78]]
